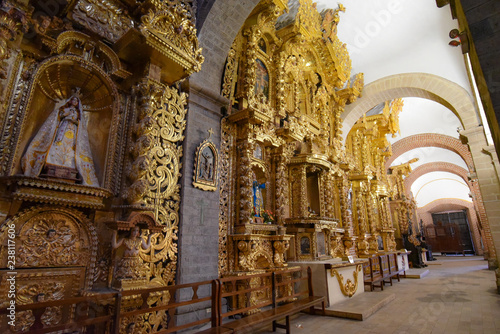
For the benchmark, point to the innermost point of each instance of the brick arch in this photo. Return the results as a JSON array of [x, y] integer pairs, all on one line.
[[435, 167], [220, 22], [423, 85], [430, 140]]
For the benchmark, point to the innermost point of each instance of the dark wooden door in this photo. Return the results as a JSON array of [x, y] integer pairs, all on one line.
[[450, 233]]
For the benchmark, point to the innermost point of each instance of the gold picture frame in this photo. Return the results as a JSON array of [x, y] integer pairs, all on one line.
[[205, 165]]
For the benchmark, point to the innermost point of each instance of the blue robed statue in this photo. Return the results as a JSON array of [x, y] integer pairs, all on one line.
[[258, 200]]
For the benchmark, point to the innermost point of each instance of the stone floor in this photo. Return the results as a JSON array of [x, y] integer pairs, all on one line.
[[457, 296]]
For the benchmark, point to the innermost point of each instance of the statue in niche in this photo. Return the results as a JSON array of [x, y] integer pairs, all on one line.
[[131, 265], [258, 199], [61, 147], [206, 171]]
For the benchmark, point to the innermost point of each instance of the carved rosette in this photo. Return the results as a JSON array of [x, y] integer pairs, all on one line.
[[52, 237]]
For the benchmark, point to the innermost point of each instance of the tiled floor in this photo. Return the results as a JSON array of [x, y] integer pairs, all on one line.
[[458, 296]]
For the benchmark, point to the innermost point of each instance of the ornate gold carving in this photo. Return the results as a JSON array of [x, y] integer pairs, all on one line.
[[153, 170], [230, 73], [53, 237], [348, 288], [280, 247], [206, 165], [336, 246], [106, 18], [170, 31], [225, 195], [14, 18]]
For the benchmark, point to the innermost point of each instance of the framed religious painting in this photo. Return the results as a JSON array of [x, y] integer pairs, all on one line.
[[205, 165]]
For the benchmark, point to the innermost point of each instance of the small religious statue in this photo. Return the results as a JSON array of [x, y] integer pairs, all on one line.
[[61, 146], [258, 200], [131, 265], [207, 165]]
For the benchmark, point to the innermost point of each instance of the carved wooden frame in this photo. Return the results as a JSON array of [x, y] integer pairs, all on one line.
[[198, 182]]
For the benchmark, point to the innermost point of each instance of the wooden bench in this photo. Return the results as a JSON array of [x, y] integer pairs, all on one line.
[[393, 267], [70, 314], [266, 298], [384, 269], [372, 274]]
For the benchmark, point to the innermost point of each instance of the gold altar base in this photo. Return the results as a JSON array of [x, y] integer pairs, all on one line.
[[335, 279], [315, 238], [260, 249]]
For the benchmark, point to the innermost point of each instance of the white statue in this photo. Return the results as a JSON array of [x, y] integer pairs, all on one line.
[[62, 141]]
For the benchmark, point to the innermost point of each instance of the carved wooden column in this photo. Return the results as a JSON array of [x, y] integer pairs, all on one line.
[[245, 184], [328, 193], [282, 158], [299, 191]]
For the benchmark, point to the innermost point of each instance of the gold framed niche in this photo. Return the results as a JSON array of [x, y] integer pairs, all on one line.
[[206, 165], [100, 102]]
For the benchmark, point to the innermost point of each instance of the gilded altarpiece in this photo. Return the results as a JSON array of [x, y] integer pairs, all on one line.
[[104, 214], [285, 194], [369, 146]]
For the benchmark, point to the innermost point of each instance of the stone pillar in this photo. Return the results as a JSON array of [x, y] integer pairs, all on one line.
[[489, 183]]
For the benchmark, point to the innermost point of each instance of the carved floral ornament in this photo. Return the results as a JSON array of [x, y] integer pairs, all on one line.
[[53, 237], [206, 165]]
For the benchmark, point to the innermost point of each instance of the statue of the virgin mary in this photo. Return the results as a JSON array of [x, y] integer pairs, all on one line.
[[63, 142]]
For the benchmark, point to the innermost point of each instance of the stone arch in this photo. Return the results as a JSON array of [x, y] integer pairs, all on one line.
[[216, 36], [448, 204], [430, 140], [424, 85]]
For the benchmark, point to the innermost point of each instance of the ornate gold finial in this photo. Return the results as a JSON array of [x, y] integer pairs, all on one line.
[[210, 133]]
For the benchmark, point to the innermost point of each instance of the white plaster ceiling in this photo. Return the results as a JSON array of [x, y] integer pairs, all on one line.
[[425, 116], [436, 185]]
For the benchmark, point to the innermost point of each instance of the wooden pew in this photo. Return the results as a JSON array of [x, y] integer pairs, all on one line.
[[384, 268], [393, 266], [266, 298], [372, 273]]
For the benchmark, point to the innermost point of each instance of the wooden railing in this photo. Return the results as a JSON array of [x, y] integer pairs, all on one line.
[[106, 312]]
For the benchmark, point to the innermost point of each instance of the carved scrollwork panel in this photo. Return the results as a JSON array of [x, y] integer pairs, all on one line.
[[348, 287], [52, 237]]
